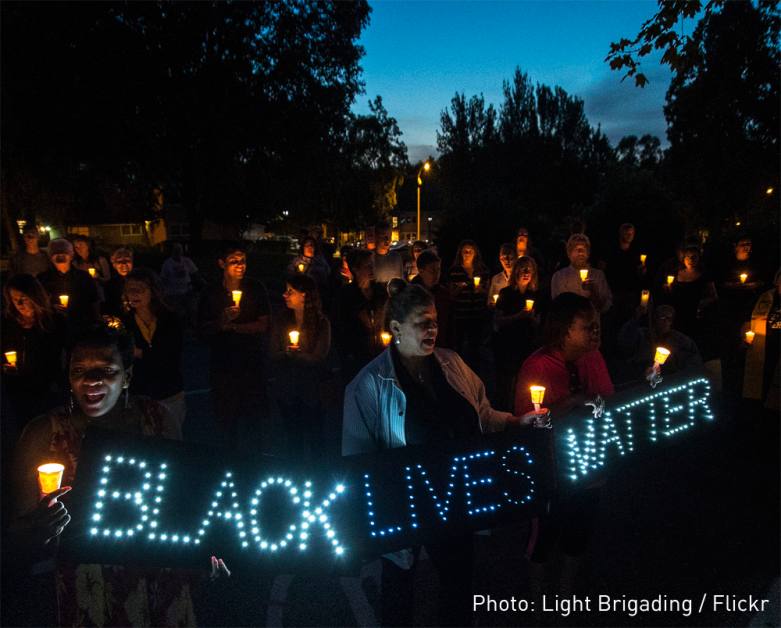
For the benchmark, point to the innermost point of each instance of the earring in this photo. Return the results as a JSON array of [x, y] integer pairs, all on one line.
[[398, 340], [127, 394]]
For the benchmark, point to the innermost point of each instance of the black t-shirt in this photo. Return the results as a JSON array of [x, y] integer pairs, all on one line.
[[621, 269], [740, 301]]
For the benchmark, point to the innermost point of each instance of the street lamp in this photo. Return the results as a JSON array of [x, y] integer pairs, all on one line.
[[425, 166]]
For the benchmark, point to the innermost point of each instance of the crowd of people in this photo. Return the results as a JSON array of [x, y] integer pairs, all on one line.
[[395, 347]]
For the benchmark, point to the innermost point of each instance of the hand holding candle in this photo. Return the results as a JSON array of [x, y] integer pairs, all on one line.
[[294, 338], [743, 278], [386, 338], [93, 273], [300, 268], [64, 300], [643, 258], [670, 279], [583, 274], [749, 337], [538, 392], [11, 357], [661, 355], [477, 281], [496, 298], [530, 307], [644, 298], [236, 297], [49, 477]]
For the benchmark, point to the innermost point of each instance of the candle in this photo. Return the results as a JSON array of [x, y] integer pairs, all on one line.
[[643, 258], [644, 297], [538, 392], [386, 338], [49, 477], [11, 357], [294, 338], [529, 304], [670, 279], [584, 274], [300, 268], [64, 300], [496, 298], [93, 273], [661, 355], [477, 281], [749, 337], [743, 278], [236, 297]]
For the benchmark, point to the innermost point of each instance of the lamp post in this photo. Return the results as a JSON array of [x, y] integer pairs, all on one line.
[[425, 166]]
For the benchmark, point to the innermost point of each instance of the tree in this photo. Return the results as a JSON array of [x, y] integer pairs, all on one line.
[[470, 126], [723, 118]]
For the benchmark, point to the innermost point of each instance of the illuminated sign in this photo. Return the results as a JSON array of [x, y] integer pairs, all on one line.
[[143, 499], [586, 445]]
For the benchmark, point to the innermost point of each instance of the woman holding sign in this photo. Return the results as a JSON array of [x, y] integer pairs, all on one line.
[[100, 370], [413, 394]]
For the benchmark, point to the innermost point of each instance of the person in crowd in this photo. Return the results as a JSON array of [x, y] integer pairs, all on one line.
[[326, 248], [574, 375], [83, 301], [516, 327], [638, 344], [763, 353], [507, 257], [594, 288], [468, 281], [31, 260], [310, 262], [369, 236], [177, 274], [387, 264], [411, 267], [359, 315], [625, 273], [669, 268], [299, 367], [38, 336], [691, 293], [560, 259], [739, 282], [523, 247], [429, 274], [341, 275], [159, 343], [235, 332], [413, 394], [100, 369], [85, 258], [114, 289]]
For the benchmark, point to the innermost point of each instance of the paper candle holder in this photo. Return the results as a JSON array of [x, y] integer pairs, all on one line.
[[583, 274], [236, 297], [386, 338], [293, 338], [538, 393], [530, 305], [64, 300], [50, 477], [749, 337], [11, 357]]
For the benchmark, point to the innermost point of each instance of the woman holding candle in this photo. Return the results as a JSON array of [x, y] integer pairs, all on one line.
[[310, 261], [414, 393], [519, 311], [691, 293], [96, 265], [159, 343], [37, 335], [114, 289], [468, 281], [100, 370], [763, 349], [300, 341], [507, 257], [574, 375]]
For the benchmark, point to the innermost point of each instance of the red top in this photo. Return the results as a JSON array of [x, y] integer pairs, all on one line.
[[545, 367]]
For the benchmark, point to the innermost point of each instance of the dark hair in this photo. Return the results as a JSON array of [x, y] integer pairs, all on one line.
[[562, 313], [227, 250], [478, 264], [404, 300], [743, 235], [99, 335], [314, 242], [30, 287], [508, 249], [357, 257], [154, 283], [313, 309], [423, 246], [523, 261], [427, 257], [626, 227], [345, 250]]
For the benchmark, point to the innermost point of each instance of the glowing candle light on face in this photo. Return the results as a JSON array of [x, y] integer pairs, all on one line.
[[49, 477], [749, 337], [11, 357], [661, 355], [538, 392], [643, 258], [93, 273], [64, 300], [670, 279], [644, 297], [529, 304], [236, 297], [584, 274], [743, 278], [294, 338], [386, 338]]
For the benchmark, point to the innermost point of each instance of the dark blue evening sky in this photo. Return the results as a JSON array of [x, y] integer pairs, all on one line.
[[419, 54]]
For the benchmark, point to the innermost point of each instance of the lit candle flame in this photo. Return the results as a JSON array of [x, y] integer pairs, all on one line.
[[236, 297], [584, 274], [670, 279], [386, 338], [530, 305], [644, 297], [93, 273], [64, 300], [11, 357], [661, 355], [743, 278], [300, 268], [477, 281], [50, 477], [538, 392], [294, 338], [749, 337], [643, 258], [496, 298]]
